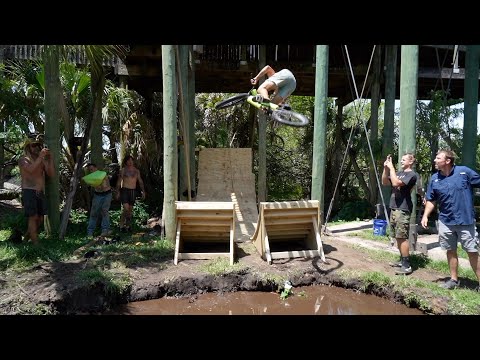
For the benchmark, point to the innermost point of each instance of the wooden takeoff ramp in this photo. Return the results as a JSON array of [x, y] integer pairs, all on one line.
[[225, 174], [289, 229]]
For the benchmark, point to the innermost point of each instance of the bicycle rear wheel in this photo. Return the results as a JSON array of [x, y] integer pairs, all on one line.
[[289, 117], [234, 100]]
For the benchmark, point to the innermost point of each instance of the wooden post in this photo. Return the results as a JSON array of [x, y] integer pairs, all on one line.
[[170, 168]]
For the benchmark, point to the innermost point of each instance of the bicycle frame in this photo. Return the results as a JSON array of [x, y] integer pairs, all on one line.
[[268, 105]]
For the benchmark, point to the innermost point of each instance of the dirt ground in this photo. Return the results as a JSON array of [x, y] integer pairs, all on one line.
[[54, 288]]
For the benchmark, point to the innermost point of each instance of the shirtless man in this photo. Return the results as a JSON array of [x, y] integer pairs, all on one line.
[[36, 162], [126, 185]]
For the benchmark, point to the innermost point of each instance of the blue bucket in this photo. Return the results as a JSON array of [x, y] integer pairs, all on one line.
[[379, 227]]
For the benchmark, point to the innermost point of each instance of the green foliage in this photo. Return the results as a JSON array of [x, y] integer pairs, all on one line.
[[14, 220], [140, 215], [355, 210]]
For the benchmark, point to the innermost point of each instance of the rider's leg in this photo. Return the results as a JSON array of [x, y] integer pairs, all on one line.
[[278, 99], [266, 87]]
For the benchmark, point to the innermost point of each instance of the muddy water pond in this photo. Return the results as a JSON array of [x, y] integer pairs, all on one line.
[[310, 300]]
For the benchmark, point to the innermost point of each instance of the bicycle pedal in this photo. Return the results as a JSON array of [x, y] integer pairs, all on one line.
[[258, 98]]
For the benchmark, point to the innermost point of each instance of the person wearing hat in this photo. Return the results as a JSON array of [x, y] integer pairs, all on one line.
[[36, 162]]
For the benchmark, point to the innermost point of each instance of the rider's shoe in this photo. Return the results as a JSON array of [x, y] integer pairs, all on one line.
[[286, 107]]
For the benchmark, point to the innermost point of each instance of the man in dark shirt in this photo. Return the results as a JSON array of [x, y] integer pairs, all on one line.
[[452, 188], [401, 206]]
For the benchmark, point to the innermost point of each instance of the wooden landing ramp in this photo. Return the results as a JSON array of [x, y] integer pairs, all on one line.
[[205, 230], [225, 174], [289, 229]]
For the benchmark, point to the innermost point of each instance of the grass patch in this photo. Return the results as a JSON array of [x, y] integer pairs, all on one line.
[[134, 254], [221, 266], [22, 256], [368, 235], [460, 301], [114, 282]]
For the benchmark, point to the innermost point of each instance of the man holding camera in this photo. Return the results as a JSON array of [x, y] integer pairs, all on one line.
[[36, 162]]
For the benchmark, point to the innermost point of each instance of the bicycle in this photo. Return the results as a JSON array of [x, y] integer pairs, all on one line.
[[277, 112]]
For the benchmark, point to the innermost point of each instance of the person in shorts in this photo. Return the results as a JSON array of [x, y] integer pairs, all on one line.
[[36, 162], [451, 188], [282, 84], [401, 206]]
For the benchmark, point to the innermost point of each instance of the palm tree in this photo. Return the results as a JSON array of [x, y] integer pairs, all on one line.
[[55, 111]]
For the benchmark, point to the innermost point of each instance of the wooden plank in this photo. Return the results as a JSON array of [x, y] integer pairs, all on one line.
[[177, 243], [318, 238], [203, 215], [201, 256], [232, 247], [295, 254], [288, 221], [267, 245], [212, 234], [205, 228], [291, 204], [204, 205], [288, 214], [200, 222]]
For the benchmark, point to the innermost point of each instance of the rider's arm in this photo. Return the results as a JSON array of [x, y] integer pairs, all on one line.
[[267, 70]]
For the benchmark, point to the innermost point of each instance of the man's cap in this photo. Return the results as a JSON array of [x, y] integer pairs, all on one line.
[[29, 142]]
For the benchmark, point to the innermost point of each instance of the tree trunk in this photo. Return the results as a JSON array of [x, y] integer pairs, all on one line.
[[96, 143], [53, 118], [170, 167], [97, 86], [2, 154], [374, 104]]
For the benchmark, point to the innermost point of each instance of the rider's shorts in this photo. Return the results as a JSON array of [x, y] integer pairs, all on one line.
[[285, 81]]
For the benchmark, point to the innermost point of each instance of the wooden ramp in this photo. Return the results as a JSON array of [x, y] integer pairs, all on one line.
[[205, 230], [289, 229], [225, 174]]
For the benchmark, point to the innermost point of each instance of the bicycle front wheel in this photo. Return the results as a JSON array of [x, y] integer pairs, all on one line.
[[234, 100], [289, 117]]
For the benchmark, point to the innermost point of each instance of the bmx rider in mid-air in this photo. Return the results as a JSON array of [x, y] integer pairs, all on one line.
[[281, 83]]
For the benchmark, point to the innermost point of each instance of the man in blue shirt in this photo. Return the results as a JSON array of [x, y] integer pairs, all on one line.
[[452, 188]]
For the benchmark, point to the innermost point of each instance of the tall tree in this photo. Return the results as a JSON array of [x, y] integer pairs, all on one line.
[[96, 54], [53, 117]]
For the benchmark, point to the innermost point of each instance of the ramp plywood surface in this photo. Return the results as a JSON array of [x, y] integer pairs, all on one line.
[[226, 175]]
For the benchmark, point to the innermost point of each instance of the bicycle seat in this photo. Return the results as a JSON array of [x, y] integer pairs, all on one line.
[[286, 107]]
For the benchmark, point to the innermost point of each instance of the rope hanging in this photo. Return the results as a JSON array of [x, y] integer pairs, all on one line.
[[358, 111]]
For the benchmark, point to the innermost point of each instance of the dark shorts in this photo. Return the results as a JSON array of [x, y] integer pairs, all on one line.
[[127, 196], [34, 202]]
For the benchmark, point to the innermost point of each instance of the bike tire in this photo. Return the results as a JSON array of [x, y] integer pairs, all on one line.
[[290, 118], [234, 100]]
